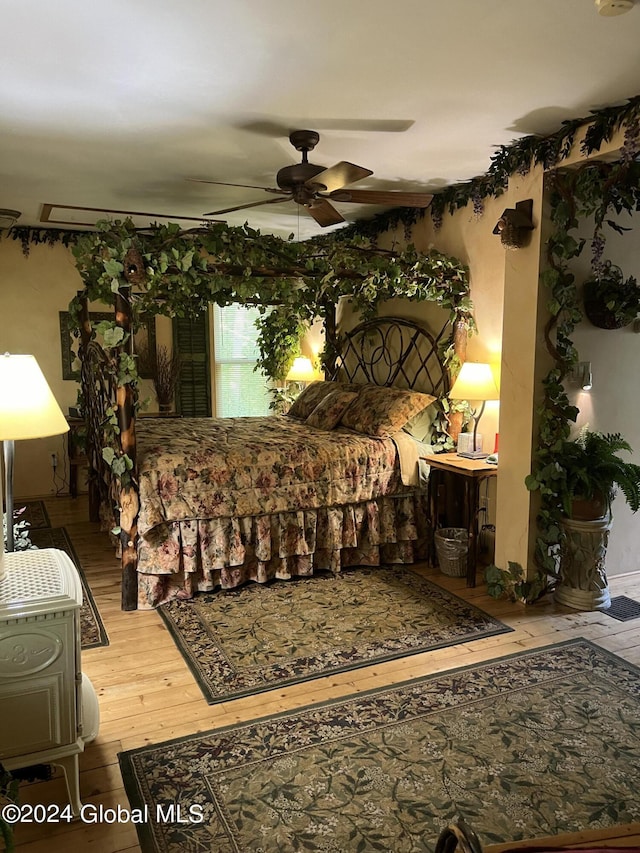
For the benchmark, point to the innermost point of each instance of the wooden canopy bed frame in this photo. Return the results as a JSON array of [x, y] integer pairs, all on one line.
[[384, 352]]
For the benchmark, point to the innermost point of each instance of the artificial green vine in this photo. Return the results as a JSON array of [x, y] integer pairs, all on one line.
[[165, 270], [184, 271]]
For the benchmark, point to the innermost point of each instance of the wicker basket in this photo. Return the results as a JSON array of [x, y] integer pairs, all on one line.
[[452, 548]]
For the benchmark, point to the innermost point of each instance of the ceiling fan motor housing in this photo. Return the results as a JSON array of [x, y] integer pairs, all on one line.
[[292, 178]]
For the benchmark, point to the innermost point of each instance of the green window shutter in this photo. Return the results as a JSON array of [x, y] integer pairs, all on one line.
[[191, 342]]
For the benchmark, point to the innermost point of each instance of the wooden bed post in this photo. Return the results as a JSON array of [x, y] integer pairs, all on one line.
[[460, 336], [329, 317], [128, 497]]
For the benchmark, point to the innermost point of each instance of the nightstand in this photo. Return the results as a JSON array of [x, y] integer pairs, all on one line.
[[473, 472], [48, 708]]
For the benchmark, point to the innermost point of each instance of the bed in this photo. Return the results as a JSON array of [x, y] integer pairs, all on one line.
[[335, 482]]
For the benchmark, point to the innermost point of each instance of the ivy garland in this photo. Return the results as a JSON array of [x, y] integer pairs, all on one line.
[[291, 283], [178, 273]]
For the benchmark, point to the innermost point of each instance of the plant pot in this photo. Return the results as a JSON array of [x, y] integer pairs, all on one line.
[[596, 309], [583, 549], [588, 509]]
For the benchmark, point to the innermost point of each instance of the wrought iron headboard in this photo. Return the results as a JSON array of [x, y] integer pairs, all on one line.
[[393, 351]]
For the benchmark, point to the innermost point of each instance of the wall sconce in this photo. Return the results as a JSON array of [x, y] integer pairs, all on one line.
[[582, 375], [515, 225]]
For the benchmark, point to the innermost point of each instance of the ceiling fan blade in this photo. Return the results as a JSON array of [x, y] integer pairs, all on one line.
[[394, 197], [251, 204], [244, 186], [325, 213], [338, 176]]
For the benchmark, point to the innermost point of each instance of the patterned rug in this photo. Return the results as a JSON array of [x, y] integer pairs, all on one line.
[[92, 632], [524, 746], [35, 514], [260, 637]]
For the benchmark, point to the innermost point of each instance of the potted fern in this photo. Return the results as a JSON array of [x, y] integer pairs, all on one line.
[[591, 473]]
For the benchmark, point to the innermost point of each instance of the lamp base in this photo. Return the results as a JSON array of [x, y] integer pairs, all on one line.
[[472, 454]]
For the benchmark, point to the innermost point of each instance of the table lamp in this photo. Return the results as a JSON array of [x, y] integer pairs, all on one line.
[[28, 409], [475, 382], [301, 370]]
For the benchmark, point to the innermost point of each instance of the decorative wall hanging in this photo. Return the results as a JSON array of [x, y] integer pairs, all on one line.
[[515, 225]]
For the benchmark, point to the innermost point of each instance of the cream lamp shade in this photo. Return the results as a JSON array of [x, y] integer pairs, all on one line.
[[475, 382], [28, 409], [301, 370]]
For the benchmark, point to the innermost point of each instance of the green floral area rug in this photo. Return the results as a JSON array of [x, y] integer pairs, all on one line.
[[92, 631], [260, 637], [525, 746]]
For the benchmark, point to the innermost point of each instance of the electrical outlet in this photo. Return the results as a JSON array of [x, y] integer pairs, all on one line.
[[54, 460]]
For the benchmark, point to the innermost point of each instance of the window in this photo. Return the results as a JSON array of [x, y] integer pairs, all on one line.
[[240, 390]]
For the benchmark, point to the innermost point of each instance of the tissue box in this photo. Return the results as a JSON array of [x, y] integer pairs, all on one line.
[[465, 442]]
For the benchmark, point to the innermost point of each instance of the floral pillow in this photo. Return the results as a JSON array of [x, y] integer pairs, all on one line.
[[328, 412], [310, 396], [381, 412]]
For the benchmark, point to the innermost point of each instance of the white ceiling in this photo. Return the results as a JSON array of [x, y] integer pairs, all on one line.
[[115, 104]]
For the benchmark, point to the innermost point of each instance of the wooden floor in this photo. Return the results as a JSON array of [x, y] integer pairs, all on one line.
[[147, 694]]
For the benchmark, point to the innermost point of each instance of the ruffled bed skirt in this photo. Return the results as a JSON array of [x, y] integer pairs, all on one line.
[[179, 559]]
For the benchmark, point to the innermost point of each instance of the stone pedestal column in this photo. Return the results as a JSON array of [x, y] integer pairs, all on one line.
[[583, 579]]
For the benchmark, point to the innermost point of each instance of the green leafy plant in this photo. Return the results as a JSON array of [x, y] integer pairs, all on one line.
[[589, 467], [21, 539], [513, 584]]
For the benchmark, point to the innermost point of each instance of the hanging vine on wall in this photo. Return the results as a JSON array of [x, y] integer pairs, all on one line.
[[603, 191]]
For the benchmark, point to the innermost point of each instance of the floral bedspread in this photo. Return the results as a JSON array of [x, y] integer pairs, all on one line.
[[196, 468]]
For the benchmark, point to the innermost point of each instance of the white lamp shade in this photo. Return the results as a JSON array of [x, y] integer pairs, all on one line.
[[28, 409], [475, 382], [301, 370]]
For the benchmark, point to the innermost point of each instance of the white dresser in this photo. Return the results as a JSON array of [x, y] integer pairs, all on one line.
[[48, 709]]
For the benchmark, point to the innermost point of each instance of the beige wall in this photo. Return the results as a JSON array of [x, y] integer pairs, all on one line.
[[32, 292]]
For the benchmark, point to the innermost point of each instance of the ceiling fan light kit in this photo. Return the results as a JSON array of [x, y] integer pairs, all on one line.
[[314, 187], [609, 8], [8, 218]]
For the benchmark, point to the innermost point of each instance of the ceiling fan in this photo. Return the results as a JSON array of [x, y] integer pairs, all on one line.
[[315, 187]]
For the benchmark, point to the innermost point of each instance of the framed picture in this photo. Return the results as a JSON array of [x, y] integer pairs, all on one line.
[[144, 338]]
